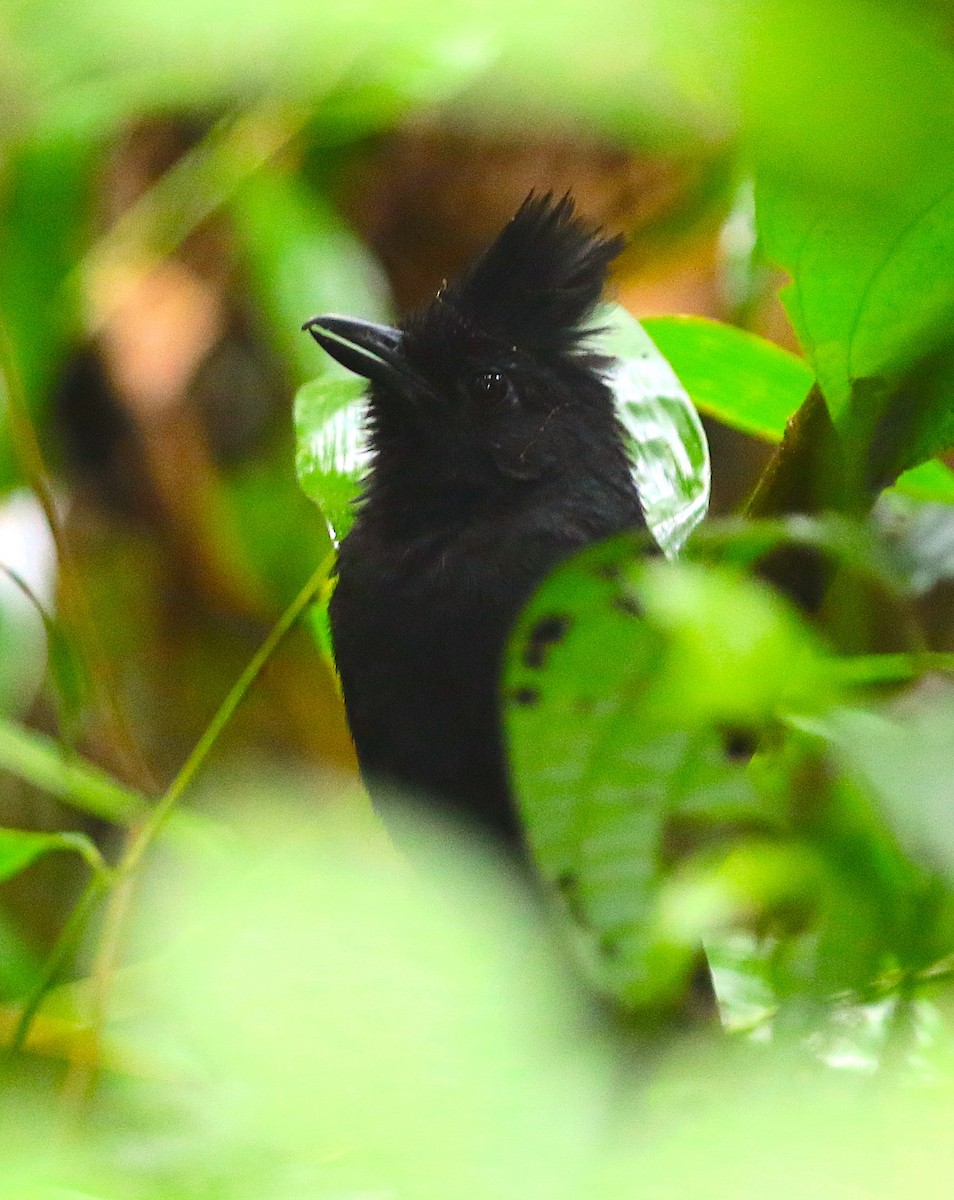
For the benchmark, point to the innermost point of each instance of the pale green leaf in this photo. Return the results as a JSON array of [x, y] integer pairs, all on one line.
[[667, 444]]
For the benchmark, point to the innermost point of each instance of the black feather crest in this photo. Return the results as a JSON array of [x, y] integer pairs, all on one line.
[[539, 282]]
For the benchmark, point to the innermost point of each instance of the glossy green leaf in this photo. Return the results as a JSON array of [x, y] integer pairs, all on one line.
[[737, 377], [626, 685], [19, 848], [332, 454], [667, 444], [754, 386]]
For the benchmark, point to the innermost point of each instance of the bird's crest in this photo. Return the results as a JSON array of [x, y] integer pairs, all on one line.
[[539, 282]]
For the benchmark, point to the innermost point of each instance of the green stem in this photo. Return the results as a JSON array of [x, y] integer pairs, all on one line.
[[158, 816], [65, 947]]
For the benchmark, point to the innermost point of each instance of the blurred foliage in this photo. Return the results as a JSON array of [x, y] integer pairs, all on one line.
[[293, 1008]]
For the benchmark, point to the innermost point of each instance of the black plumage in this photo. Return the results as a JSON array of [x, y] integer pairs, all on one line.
[[496, 454]]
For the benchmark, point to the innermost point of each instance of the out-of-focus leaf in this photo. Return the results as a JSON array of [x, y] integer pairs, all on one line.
[[627, 685], [871, 84], [332, 454], [667, 445], [920, 539], [932, 480], [88, 68], [377, 976], [44, 201], [905, 758], [19, 848], [283, 533], [303, 260], [773, 1125]]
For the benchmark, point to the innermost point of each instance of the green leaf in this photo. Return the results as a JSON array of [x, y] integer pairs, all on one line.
[[332, 454], [754, 386], [667, 443], [872, 298], [905, 759], [626, 684], [19, 848], [44, 208], [302, 259], [45, 764], [737, 377], [932, 480]]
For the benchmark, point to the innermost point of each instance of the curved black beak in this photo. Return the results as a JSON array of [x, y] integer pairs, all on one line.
[[373, 351]]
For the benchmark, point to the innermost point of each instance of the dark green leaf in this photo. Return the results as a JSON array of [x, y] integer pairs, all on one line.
[[43, 214]]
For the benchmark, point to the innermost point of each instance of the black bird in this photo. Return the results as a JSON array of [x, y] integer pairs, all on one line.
[[496, 453]]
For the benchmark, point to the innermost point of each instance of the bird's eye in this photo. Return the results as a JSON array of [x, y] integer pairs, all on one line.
[[496, 388]]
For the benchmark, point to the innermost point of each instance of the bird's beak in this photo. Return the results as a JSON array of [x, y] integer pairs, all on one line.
[[372, 351]]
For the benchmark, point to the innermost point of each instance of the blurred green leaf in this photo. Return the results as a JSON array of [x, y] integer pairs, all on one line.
[[88, 69], [667, 444], [932, 480], [454, 1057], [627, 684], [730, 1123], [302, 260], [45, 195], [19, 848], [905, 757], [848, 98]]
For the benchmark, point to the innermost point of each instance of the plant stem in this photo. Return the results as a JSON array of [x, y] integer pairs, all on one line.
[[66, 945], [158, 815], [139, 840]]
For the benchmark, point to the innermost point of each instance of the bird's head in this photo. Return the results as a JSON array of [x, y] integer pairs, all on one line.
[[491, 385]]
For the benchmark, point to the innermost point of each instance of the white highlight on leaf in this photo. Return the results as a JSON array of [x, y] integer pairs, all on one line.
[[668, 446]]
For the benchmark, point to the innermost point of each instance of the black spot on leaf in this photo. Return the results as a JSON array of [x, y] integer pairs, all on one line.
[[547, 632], [526, 697], [626, 602], [738, 744], [608, 571]]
